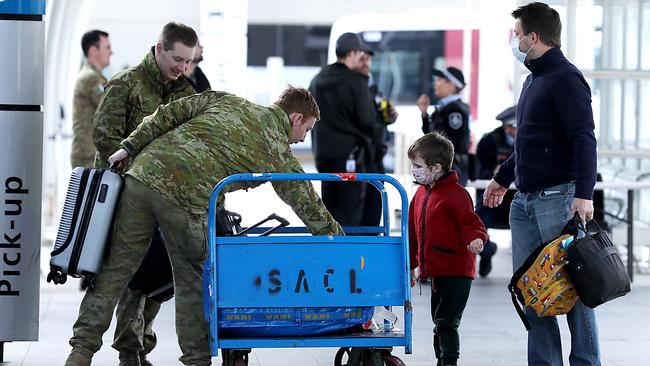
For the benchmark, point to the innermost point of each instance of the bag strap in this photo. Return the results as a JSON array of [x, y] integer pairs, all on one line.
[[584, 226], [282, 223], [593, 222], [515, 303]]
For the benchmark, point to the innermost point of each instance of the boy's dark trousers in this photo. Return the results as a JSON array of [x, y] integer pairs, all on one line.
[[448, 299]]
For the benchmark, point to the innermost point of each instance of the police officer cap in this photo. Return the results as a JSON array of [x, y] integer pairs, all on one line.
[[508, 116], [452, 74], [350, 42]]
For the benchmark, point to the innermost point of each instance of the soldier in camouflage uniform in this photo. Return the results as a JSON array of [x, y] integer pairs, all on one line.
[[181, 152], [87, 91], [129, 96]]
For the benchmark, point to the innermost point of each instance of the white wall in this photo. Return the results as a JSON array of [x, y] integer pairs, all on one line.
[[325, 12], [134, 25]]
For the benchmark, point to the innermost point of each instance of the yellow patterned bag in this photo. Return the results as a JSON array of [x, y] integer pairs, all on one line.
[[542, 283]]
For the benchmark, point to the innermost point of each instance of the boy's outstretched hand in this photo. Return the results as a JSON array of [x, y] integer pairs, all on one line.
[[476, 246]]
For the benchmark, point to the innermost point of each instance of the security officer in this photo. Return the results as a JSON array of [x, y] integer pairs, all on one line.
[[88, 89], [450, 117], [129, 97], [493, 149], [180, 152]]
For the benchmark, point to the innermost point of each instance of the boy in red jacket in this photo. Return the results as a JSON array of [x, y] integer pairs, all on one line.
[[445, 235]]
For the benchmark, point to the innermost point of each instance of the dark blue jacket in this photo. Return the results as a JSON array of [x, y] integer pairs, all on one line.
[[555, 141]]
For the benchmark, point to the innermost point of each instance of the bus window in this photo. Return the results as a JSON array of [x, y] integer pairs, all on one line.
[[403, 61]]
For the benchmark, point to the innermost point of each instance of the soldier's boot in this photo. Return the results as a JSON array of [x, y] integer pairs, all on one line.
[[79, 357], [144, 361], [129, 359]]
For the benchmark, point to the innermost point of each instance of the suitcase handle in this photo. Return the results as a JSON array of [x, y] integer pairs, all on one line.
[[113, 168], [282, 223]]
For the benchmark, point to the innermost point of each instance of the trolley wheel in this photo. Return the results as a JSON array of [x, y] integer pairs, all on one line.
[[243, 361], [342, 354], [346, 356], [374, 357], [391, 360], [234, 357], [62, 278]]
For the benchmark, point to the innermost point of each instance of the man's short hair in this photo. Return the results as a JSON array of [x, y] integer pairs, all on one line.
[[433, 148], [174, 32], [91, 38], [298, 100], [541, 19]]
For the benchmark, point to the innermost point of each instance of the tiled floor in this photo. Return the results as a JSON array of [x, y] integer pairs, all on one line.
[[491, 331]]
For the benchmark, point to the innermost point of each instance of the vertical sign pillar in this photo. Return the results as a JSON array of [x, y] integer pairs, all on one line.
[[22, 36]]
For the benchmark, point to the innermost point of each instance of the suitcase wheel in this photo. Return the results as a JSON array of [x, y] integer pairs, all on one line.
[[88, 282], [56, 277], [51, 275]]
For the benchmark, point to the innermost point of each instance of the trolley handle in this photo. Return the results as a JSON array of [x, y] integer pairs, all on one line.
[[282, 223]]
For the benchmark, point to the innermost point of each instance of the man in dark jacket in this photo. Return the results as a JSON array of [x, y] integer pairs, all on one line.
[[383, 114], [494, 148], [194, 75], [450, 117], [554, 169], [341, 141]]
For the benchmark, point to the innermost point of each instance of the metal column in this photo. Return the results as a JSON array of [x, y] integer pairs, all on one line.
[[22, 36]]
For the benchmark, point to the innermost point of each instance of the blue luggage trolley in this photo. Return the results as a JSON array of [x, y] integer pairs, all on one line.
[[349, 274]]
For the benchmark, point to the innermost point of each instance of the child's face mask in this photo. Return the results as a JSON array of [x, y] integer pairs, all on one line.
[[424, 176]]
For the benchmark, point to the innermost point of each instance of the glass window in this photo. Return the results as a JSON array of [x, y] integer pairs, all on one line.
[[403, 61], [298, 45]]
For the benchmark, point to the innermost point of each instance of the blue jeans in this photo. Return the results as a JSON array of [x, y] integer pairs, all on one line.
[[536, 218]]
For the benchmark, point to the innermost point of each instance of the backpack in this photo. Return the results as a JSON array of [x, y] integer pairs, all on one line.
[[542, 283]]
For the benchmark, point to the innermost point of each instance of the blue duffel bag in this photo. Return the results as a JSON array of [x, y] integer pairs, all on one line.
[[278, 322]]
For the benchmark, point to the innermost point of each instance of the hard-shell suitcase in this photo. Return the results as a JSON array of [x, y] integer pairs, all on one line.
[[85, 223]]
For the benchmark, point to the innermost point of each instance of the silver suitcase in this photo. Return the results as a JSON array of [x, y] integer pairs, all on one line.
[[85, 224]]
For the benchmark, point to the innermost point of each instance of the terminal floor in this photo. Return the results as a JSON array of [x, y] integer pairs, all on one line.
[[491, 332]]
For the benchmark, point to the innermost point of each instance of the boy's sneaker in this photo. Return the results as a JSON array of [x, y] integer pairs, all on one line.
[[485, 262]]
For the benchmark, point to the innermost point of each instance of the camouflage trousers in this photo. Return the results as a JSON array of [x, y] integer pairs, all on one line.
[[140, 210], [134, 330]]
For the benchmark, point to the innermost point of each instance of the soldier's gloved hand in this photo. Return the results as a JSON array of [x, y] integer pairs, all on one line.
[[119, 158]]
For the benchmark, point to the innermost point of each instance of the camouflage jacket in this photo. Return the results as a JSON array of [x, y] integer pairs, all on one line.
[[186, 147], [130, 96], [87, 91]]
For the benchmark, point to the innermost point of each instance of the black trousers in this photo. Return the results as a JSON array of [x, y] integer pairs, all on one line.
[[449, 296], [372, 204], [344, 200]]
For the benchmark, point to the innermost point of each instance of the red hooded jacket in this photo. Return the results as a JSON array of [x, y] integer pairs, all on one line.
[[442, 223]]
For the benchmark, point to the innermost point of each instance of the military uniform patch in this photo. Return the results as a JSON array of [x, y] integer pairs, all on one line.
[[455, 120]]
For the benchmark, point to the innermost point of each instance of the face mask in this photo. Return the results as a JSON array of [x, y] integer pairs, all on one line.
[[510, 140], [421, 177], [514, 44]]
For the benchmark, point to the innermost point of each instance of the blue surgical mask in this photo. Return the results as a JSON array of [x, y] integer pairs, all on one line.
[[510, 140], [514, 44]]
